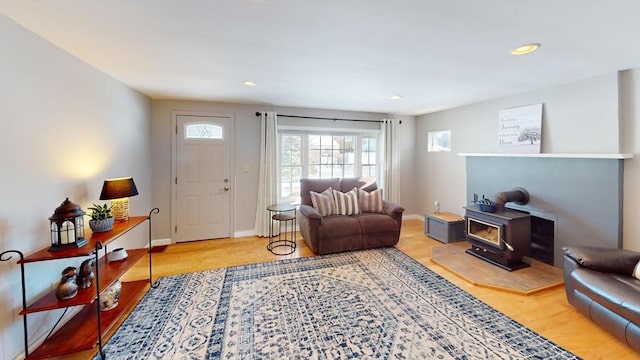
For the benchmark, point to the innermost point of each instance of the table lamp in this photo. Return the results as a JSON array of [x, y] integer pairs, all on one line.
[[119, 190]]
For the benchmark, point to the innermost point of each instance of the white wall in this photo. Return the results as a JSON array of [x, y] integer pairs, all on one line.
[[579, 117], [64, 128], [247, 153], [630, 138]]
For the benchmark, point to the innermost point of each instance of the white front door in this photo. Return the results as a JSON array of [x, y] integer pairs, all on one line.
[[202, 184]]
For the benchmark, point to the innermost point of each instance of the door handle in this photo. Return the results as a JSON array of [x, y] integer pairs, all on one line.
[[226, 188]]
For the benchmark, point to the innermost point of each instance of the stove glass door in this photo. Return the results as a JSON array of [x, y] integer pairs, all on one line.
[[485, 232]]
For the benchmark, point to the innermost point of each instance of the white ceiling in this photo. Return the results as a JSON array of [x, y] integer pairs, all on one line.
[[343, 55]]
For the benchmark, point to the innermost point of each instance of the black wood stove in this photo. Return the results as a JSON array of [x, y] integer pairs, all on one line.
[[502, 237]]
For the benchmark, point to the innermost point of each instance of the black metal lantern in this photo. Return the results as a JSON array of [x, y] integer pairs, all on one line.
[[67, 227]]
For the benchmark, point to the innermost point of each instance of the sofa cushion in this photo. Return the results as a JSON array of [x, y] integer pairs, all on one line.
[[323, 202], [630, 308], [604, 259], [370, 201], [346, 203], [337, 226], [317, 185], [377, 223], [364, 183]]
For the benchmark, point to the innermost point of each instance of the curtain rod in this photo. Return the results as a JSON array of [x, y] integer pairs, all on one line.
[[258, 113]]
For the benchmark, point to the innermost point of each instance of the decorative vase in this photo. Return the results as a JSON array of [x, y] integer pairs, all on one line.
[[101, 225], [109, 298], [67, 288], [117, 255], [85, 275]]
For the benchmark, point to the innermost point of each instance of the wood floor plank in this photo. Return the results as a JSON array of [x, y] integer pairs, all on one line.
[[546, 312]]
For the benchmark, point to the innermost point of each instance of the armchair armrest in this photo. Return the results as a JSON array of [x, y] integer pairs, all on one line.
[[603, 259]]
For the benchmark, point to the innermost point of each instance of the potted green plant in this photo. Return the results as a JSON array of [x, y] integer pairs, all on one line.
[[101, 218]]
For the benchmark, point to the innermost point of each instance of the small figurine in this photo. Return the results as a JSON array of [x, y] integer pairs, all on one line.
[[85, 276], [109, 299], [67, 288]]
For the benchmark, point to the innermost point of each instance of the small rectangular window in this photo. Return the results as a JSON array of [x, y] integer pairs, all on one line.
[[202, 131], [290, 165], [369, 156], [439, 141]]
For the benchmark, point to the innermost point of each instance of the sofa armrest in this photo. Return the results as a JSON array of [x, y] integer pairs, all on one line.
[[568, 266], [309, 211], [603, 259], [392, 209], [309, 223]]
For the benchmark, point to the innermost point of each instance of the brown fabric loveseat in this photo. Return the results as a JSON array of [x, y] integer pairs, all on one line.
[[336, 233], [599, 284]]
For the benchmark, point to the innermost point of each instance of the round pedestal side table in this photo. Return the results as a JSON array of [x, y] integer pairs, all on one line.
[[283, 219]]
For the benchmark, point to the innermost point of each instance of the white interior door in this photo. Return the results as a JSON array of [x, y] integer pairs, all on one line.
[[202, 184]]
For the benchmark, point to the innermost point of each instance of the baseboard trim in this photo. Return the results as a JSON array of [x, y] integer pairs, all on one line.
[[160, 242], [413, 217], [244, 233]]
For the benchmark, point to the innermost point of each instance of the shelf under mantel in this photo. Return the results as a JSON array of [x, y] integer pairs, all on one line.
[[552, 155]]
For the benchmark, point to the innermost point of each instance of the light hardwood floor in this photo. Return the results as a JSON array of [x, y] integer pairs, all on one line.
[[547, 312]]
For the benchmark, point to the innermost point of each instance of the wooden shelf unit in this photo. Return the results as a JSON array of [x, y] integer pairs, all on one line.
[[119, 228], [109, 273], [82, 332]]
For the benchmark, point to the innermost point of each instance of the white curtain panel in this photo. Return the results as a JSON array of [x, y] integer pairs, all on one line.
[[267, 183], [391, 163]]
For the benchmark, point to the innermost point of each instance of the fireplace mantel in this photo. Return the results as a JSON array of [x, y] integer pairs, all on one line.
[[551, 155], [584, 196]]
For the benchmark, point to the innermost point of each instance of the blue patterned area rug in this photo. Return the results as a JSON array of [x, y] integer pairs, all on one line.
[[373, 304]]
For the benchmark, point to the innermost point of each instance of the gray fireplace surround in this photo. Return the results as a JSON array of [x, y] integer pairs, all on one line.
[[582, 196]]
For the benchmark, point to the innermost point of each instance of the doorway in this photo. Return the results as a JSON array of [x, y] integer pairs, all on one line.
[[201, 185]]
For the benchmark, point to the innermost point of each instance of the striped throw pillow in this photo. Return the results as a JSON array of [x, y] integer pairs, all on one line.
[[323, 202], [370, 202], [636, 271], [346, 203]]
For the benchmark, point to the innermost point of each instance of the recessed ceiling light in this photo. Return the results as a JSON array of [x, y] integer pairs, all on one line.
[[525, 49], [249, 83], [395, 97]]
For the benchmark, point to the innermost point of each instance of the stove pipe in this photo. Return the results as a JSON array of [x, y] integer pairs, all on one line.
[[518, 195]]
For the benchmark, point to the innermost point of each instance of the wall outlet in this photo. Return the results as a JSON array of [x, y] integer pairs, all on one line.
[[246, 169]]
